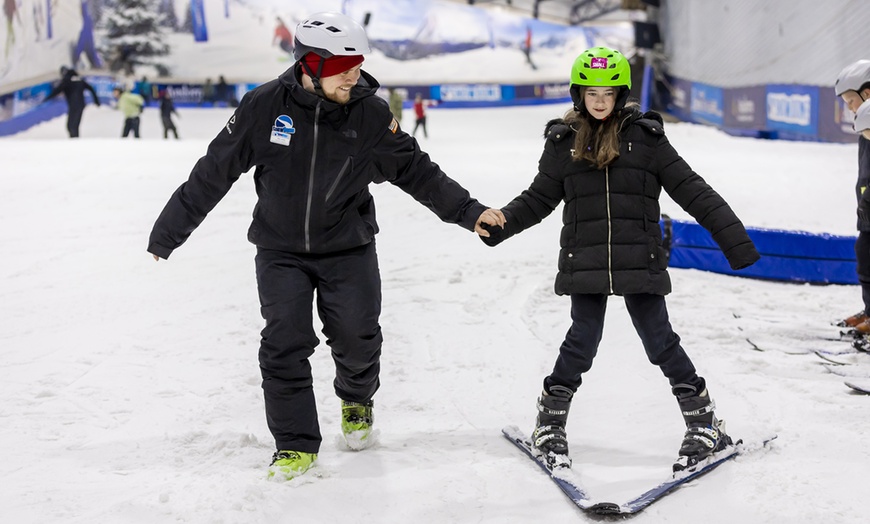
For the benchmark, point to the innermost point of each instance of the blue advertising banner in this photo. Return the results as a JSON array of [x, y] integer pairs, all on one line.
[[473, 92], [744, 108], [835, 119], [197, 18], [707, 104], [679, 98], [793, 109]]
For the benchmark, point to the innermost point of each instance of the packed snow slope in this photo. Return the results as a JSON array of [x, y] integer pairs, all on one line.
[[131, 390]]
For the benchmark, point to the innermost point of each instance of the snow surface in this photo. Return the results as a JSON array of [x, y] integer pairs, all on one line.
[[131, 391]]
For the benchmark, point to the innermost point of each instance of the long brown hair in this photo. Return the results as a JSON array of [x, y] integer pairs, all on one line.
[[597, 141]]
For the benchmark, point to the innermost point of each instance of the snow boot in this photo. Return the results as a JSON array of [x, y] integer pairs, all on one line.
[[287, 464], [854, 320], [549, 437], [705, 434], [862, 328], [356, 424]]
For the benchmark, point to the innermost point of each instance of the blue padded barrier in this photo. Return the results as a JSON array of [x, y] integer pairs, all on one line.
[[793, 256]]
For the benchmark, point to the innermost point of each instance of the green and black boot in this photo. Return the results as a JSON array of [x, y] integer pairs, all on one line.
[[356, 424]]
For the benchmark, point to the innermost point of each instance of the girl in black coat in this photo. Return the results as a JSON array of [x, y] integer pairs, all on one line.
[[609, 163]]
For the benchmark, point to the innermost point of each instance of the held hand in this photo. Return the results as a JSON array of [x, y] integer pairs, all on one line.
[[156, 258], [492, 217]]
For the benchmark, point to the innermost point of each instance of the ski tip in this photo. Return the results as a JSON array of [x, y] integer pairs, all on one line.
[[605, 508], [862, 389], [754, 345]]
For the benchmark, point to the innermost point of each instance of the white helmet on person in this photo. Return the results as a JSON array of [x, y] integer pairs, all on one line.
[[330, 34], [853, 77], [327, 44], [862, 118]]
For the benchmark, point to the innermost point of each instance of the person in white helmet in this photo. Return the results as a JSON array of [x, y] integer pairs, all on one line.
[[862, 120], [853, 87], [317, 137]]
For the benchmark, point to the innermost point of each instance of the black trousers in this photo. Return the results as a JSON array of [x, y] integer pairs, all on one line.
[[649, 315], [131, 124], [348, 291], [168, 125], [74, 119], [418, 123], [862, 257]]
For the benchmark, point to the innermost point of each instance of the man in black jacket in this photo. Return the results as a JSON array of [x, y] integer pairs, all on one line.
[[318, 137], [73, 88]]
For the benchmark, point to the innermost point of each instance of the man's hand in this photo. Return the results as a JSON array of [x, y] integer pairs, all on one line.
[[156, 258], [492, 217]]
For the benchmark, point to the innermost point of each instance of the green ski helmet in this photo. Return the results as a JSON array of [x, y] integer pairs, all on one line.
[[600, 67]]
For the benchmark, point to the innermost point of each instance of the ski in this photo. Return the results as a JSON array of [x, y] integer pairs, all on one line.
[[676, 480], [860, 386], [762, 345], [565, 478], [831, 360], [848, 372], [568, 482]]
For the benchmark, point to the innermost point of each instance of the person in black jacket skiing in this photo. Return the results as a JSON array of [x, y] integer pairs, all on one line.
[[318, 136], [167, 109], [853, 87], [73, 88], [609, 163]]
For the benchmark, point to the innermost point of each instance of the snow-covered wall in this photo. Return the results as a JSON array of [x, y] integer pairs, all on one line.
[[415, 41]]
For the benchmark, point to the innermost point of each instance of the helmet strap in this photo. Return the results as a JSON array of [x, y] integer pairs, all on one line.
[[315, 77]]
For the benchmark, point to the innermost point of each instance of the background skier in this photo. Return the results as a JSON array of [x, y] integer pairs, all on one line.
[[73, 88]]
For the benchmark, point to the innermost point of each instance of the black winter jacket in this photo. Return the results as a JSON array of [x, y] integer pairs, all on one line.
[[314, 162], [73, 88], [611, 240], [863, 182]]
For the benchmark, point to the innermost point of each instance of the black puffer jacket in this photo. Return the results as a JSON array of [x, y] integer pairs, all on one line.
[[863, 183], [611, 240], [314, 162]]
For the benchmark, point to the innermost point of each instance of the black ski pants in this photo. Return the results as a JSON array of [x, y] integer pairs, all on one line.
[[74, 118], [131, 124], [649, 315], [348, 291], [862, 258]]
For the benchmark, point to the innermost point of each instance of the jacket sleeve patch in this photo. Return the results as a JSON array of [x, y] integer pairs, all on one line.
[[394, 126]]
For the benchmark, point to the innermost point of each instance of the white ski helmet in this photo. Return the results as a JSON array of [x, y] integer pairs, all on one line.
[[853, 77], [330, 34], [862, 118]]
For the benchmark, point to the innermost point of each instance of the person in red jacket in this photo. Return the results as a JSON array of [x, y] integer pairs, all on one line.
[[314, 225], [283, 37], [420, 114]]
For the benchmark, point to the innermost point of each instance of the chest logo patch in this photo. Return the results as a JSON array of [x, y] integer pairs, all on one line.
[[282, 130]]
